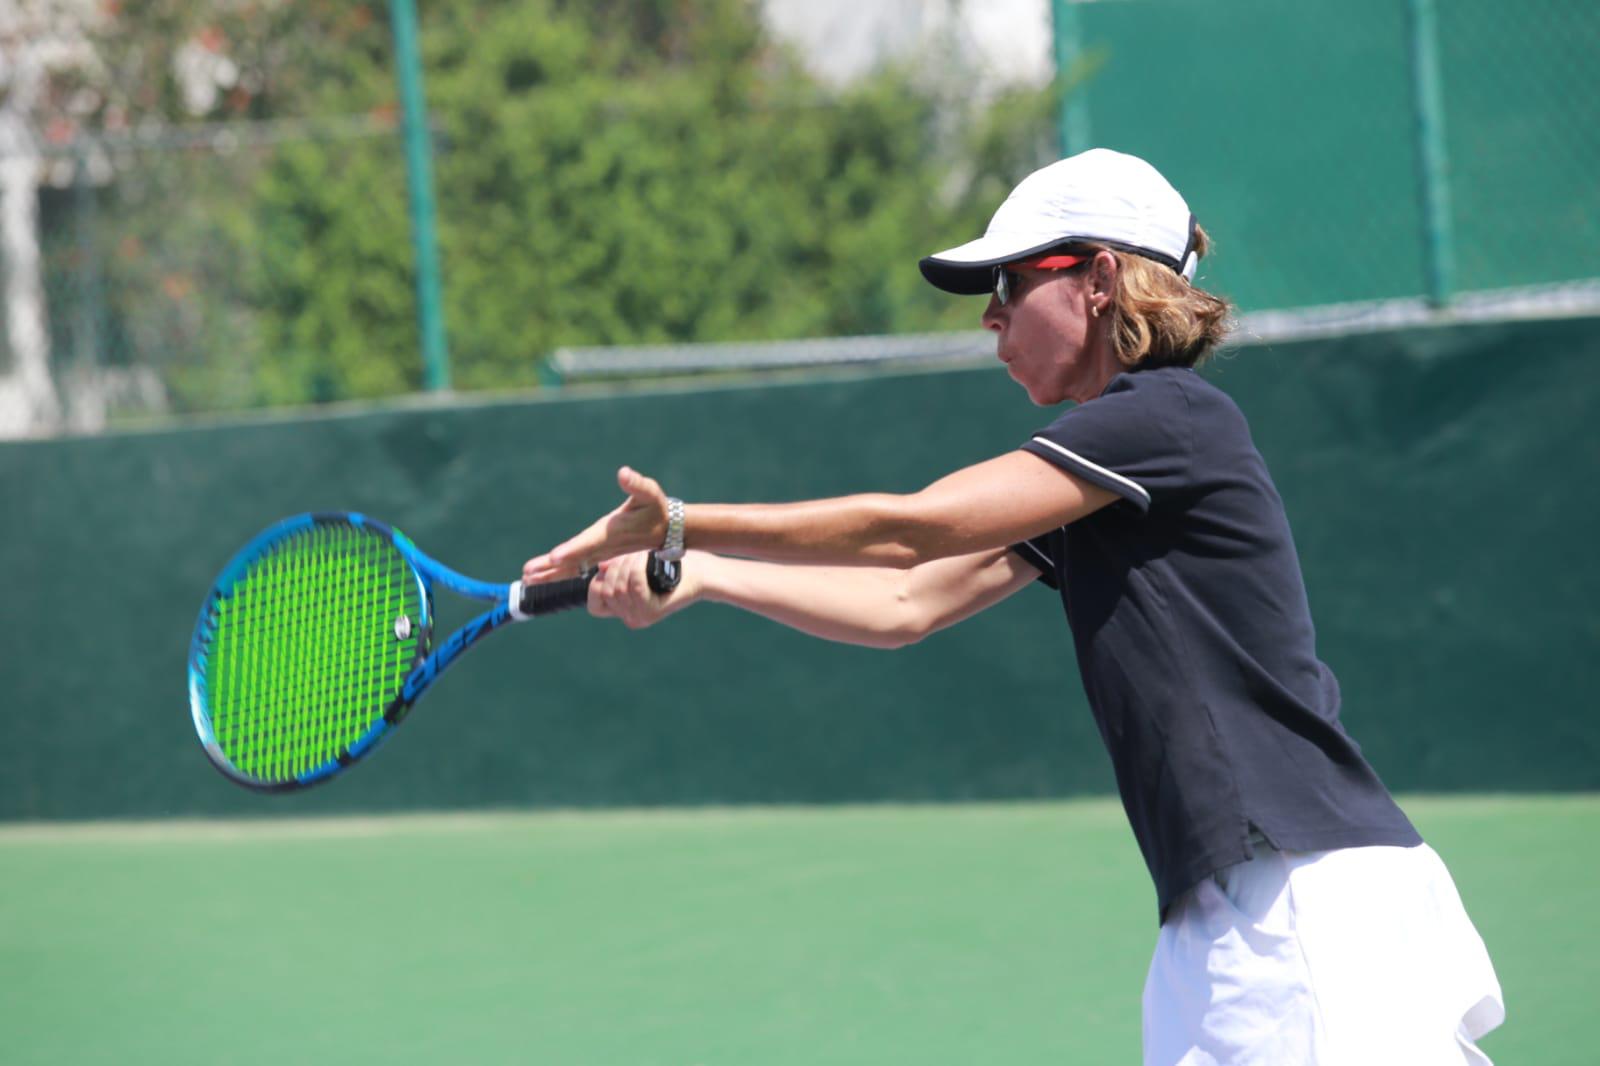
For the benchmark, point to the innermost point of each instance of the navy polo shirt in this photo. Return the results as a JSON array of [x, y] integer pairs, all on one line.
[[1194, 638]]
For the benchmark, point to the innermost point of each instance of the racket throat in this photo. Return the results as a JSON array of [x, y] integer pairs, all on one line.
[[424, 673]]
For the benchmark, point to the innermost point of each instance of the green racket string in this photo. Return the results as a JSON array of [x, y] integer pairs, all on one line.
[[303, 654]]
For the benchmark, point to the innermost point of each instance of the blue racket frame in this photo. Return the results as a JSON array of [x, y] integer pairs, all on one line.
[[512, 603]]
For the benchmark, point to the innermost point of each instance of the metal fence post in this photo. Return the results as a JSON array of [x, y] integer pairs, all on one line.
[[419, 174], [1433, 161], [87, 299]]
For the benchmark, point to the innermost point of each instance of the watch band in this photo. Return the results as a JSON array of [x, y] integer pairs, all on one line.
[[672, 547]]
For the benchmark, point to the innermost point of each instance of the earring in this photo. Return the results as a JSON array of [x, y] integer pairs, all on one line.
[[1094, 310]]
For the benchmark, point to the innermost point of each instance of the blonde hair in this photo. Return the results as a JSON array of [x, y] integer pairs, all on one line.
[[1158, 318]]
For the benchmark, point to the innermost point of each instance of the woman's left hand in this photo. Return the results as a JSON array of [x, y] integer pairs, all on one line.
[[639, 523]]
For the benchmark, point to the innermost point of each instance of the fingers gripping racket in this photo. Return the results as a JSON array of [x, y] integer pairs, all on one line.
[[316, 640]]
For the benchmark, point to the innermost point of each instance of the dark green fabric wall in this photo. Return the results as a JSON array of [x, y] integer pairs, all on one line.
[[1440, 484]]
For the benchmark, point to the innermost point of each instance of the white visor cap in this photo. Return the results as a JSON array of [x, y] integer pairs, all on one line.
[[1100, 196]]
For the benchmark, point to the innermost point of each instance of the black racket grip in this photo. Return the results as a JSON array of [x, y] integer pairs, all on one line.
[[553, 596], [663, 574]]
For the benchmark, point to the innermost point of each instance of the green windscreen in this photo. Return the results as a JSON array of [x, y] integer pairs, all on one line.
[[308, 648]]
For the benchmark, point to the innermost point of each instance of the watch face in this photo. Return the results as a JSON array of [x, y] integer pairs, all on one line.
[[663, 574]]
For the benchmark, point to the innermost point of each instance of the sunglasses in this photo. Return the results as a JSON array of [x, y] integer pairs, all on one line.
[[1007, 282]]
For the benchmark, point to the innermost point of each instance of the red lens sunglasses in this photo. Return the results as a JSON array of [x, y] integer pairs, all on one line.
[[1007, 281]]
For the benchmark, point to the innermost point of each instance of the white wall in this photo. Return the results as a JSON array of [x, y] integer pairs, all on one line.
[[999, 41]]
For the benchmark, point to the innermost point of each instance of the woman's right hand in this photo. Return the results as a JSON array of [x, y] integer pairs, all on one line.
[[622, 590]]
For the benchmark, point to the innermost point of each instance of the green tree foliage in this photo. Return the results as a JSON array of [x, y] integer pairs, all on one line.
[[606, 172], [233, 246], [690, 186]]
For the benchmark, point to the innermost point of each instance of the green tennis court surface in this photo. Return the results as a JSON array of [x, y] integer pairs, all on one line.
[[977, 934]]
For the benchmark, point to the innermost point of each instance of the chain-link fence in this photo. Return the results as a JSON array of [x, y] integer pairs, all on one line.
[[174, 264], [1338, 153], [1521, 88], [1363, 149]]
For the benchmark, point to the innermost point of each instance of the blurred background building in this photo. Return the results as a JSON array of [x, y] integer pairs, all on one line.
[[1000, 43]]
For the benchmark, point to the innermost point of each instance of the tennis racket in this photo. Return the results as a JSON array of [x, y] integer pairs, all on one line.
[[315, 641]]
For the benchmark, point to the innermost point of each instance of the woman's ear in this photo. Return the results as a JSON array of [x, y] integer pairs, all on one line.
[[1103, 274]]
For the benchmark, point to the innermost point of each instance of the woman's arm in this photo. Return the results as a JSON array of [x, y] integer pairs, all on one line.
[[990, 505], [877, 607]]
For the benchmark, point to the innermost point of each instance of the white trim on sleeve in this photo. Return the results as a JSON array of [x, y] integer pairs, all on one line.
[[1096, 468], [1044, 563]]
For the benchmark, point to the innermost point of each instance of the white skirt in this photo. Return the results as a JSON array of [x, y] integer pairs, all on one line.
[[1354, 957]]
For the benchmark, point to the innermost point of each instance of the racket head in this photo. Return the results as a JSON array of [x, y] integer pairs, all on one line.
[[303, 646]]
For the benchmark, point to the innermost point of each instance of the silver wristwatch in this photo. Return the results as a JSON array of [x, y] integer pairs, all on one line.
[[672, 548]]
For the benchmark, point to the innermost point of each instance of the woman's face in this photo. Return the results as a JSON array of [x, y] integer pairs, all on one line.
[[1047, 334]]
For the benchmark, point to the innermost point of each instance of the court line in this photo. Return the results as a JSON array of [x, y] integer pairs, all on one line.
[[349, 827]]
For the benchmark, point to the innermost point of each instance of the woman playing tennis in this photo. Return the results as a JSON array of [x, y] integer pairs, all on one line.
[[1303, 920]]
